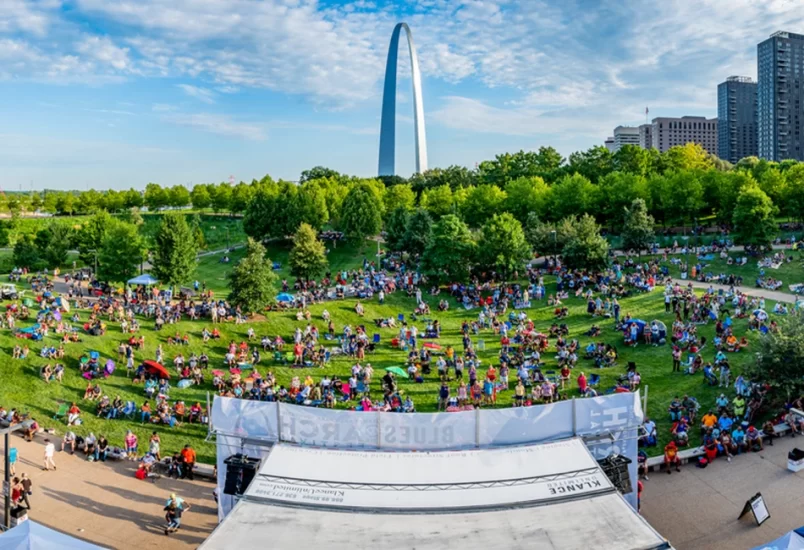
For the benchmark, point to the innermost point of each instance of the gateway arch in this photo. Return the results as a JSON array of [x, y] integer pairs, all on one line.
[[388, 125]]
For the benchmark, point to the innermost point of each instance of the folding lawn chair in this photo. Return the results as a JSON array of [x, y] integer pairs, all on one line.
[[129, 410], [376, 338], [62, 412], [594, 380]]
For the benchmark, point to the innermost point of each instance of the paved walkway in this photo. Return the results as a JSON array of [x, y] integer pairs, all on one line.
[[698, 508], [775, 295], [105, 504]]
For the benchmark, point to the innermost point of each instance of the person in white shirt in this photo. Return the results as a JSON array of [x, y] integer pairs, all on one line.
[[50, 450]]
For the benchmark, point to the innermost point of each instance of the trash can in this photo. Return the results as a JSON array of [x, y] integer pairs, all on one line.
[[795, 460], [18, 515]]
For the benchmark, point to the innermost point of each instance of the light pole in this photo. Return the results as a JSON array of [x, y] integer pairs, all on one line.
[[555, 244]]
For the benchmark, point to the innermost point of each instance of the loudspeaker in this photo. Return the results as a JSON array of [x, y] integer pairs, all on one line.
[[240, 470], [616, 469]]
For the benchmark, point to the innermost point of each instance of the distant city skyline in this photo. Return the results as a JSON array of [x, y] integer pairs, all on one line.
[[100, 94]]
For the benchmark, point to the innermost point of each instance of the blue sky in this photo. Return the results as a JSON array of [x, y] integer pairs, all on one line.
[[100, 93]]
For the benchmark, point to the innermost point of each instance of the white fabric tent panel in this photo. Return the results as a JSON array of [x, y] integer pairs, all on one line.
[[430, 467], [429, 480], [603, 523]]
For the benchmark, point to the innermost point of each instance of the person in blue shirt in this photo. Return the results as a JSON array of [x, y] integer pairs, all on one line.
[[725, 422], [738, 437], [722, 403]]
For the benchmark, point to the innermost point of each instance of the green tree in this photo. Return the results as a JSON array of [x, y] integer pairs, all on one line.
[[200, 197], [113, 200], [133, 199], [361, 213], [261, 213], [220, 196], [121, 253], [681, 196], [691, 156], [175, 250], [5, 233], [252, 279], [132, 216], [308, 257], [572, 195], [502, 246], [617, 192], [482, 202], [754, 223], [53, 243], [586, 248], [450, 254], [794, 195], [525, 195], [438, 201], [90, 237], [178, 196], [318, 172], [638, 227], [632, 159], [26, 253], [779, 357], [65, 204], [399, 196], [310, 206], [241, 195], [418, 232], [395, 228], [592, 164], [156, 197], [774, 184]]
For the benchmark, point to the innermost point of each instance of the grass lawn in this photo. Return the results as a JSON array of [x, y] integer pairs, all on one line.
[[20, 385]]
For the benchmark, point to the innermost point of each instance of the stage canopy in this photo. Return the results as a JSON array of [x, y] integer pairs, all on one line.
[[552, 495], [144, 279]]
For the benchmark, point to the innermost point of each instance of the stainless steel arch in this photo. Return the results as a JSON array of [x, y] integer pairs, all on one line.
[[387, 165]]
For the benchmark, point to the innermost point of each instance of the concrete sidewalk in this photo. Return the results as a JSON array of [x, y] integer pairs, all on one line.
[[105, 504], [698, 508], [774, 295]]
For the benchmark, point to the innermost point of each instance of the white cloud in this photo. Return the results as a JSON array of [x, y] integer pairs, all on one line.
[[218, 124], [201, 94], [102, 49], [29, 17]]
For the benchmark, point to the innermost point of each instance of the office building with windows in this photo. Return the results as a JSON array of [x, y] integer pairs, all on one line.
[[609, 144], [667, 132], [645, 140], [780, 96], [737, 119], [625, 135]]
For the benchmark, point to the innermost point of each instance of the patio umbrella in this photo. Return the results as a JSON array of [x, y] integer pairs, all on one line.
[[432, 345], [284, 297], [156, 368], [217, 373], [396, 370]]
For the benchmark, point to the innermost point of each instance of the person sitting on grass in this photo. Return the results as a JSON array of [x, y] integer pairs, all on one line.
[[73, 415], [671, 457]]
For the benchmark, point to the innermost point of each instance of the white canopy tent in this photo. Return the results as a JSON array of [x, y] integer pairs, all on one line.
[[30, 535], [545, 496], [145, 279]]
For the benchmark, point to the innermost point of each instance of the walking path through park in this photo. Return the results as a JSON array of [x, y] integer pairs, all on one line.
[[773, 295], [105, 504]]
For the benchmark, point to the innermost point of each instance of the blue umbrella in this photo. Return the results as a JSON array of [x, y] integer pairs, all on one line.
[[284, 297]]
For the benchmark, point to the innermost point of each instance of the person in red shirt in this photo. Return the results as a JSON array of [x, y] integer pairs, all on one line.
[[582, 383], [671, 457]]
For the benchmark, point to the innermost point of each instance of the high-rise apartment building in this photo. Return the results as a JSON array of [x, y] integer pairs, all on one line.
[[668, 132], [737, 119], [645, 140], [780, 96], [625, 135]]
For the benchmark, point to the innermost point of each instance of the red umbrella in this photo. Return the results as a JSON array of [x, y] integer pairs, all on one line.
[[432, 345], [156, 368], [217, 373]]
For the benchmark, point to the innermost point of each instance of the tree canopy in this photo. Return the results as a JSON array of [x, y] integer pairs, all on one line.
[[175, 250], [308, 257], [252, 280]]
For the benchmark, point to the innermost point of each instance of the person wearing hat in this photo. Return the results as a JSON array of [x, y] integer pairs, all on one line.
[[753, 439], [722, 403]]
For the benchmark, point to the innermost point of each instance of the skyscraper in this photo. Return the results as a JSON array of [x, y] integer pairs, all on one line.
[[780, 96], [737, 118], [645, 140]]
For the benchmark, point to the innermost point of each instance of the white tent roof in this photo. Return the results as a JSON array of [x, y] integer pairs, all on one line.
[[30, 535], [144, 279], [545, 496], [604, 522]]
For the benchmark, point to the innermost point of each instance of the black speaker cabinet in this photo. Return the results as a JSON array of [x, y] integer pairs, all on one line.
[[240, 470]]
